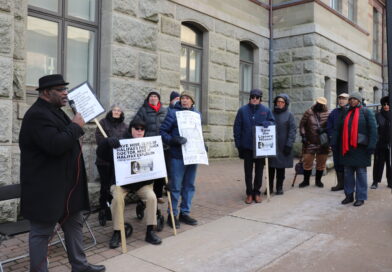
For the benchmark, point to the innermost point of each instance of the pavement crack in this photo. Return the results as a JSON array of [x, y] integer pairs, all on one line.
[[146, 261]]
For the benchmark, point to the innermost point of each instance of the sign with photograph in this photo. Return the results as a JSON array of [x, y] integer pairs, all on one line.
[[265, 141], [189, 126], [85, 102], [139, 159]]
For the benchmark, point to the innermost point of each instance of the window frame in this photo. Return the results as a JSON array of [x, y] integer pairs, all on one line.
[[243, 94], [352, 6], [376, 35], [64, 20]]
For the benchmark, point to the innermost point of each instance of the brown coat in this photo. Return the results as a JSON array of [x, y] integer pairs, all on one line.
[[308, 128]]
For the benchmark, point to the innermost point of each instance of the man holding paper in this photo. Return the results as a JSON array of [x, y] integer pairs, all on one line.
[[182, 177]]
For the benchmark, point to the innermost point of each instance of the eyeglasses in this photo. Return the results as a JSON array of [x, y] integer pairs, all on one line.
[[60, 89], [139, 128], [254, 97], [280, 102], [385, 104]]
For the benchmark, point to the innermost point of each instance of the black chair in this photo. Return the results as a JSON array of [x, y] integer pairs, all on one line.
[[10, 229]]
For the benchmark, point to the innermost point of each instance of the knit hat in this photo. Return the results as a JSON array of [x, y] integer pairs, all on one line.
[[137, 122], [173, 95], [322, 100], [188, 94], [153, 93], [256, 92], [384, 100], [356, 95]]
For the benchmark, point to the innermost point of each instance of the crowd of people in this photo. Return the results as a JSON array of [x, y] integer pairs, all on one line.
[[54, 181]]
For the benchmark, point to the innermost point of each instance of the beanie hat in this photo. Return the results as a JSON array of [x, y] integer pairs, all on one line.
[[356, 95], [384, 100], [173, 95], [153, 93], [256, 92], [188, 94]]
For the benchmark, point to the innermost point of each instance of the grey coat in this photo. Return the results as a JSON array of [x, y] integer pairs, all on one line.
[[285, 136]]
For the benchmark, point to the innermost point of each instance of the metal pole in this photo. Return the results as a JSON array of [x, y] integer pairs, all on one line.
[[389, 60], [271, 56]]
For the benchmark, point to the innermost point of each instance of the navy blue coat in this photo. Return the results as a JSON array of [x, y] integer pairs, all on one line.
[[247, 118], [169, 129]]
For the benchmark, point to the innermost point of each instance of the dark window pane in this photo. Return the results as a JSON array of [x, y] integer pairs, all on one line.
[[246, 52], [42, 47]]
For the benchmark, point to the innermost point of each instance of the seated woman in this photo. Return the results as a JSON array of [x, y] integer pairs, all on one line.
[[144, 190]]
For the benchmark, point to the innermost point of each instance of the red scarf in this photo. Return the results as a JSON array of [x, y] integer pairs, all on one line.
[[353, 139], [157, 107]]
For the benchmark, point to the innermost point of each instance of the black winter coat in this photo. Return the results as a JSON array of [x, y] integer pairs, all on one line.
[[152, 118], [384, 124], [50, 159]]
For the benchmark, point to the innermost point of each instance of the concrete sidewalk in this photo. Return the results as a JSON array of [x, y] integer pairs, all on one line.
[[303, 230]]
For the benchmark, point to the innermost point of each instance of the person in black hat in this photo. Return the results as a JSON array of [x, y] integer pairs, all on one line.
[[248, 116], [52, 175], [174, 98]]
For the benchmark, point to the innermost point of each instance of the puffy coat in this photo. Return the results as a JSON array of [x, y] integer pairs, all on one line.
[[152, 118], [360, 156], [286, 130], [308, 127], [249, 116], [169, 129]]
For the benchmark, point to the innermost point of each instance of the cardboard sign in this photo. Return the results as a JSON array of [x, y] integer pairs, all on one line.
[[265, 141]]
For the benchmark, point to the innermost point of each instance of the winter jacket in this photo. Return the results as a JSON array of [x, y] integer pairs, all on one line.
[[249, 116], [360, 156], [286, 130], [152, 118], [113, 128], [384, 124], [51, 164], [308, 128], [169, 130]]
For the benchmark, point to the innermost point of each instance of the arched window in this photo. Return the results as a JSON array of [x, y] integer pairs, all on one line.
[[191, 61], [246, 71]]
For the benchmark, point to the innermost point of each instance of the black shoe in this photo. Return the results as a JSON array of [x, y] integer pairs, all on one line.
[[374, 186], [358, 203], [336, 188], [319, 184], [94, 268], [187, 219], [115, 240], [303, 184], [176, 222], [152, 238], [349, 198], [279, 191], [389, 186], [319, 175]]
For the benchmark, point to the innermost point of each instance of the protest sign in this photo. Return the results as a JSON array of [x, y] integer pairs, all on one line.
[[265, 141], [189, 126], [85, 101], [139, 159]]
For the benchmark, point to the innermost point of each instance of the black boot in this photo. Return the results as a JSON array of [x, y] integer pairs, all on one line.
[[305, 183], [115, 240], [319, 174], [151, 236], [340, 185], [349, 198], [279, 186]]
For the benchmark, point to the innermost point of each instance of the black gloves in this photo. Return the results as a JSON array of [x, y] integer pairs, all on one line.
[[241, 154], [178, 140], [287, 150], [304, 140], [113, 142]]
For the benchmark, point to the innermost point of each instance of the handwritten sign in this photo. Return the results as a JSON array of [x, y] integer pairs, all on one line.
[[265, 141], [85, 101]]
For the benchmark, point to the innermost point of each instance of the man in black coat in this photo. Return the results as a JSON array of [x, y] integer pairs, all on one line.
[[52, 175]]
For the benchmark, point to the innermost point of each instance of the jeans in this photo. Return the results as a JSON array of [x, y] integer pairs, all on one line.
[[359, 182], [248, 168], [182, 183]]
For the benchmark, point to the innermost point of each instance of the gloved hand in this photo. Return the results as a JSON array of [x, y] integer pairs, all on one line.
[[287, 150], [304, 140], [265, 124], [113, 142], [178, 140], [370, 151], [241, 154]]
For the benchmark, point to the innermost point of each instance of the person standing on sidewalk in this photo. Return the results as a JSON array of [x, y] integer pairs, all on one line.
[[153, 113], [182, 177], [332, 129], [285, 136], [114, 126], [248, 116], [358, 137], [383, 149], [312, 125]]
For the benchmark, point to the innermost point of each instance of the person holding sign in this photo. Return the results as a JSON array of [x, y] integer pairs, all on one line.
[[182, 177], [248, 116], [53, 176], [286, 128], [144, 190], [114, 126]]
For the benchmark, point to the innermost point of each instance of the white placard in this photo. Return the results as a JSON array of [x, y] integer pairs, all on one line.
[[139, 159], [265, 141], [85, 101], [189, 126]]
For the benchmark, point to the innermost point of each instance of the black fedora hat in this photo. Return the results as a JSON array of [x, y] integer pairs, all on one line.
[[49, 81]]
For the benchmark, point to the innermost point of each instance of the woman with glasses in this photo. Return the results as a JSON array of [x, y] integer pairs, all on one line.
[[383, 149]]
